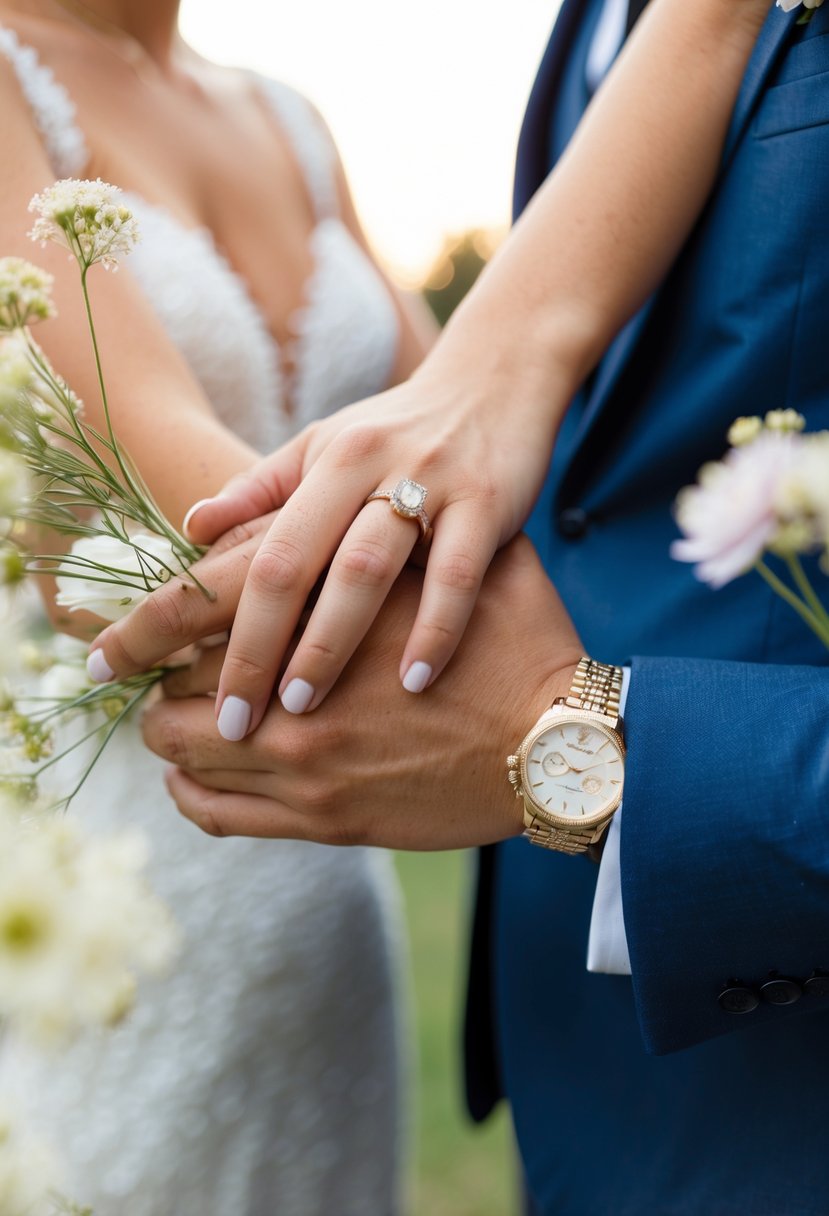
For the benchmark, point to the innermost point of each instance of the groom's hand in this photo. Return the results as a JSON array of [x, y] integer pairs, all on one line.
[[374, 765]]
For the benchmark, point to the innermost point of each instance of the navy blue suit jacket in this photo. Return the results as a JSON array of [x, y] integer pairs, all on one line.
[[643, 1096]]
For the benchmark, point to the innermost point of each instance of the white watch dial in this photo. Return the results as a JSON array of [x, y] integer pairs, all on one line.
[[574, 770]]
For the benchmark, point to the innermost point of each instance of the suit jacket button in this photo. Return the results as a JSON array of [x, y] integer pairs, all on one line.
[[573, 523], [781, 991], [817, 985], [738, 1000]]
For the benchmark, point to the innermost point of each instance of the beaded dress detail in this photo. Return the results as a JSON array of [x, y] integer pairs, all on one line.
[[263, 1077]]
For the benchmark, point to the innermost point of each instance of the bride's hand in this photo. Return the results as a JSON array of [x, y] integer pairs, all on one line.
[[482, 460]]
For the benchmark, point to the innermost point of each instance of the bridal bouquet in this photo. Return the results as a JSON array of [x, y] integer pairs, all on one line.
[[77, 919], [768, 495], [79, 482]]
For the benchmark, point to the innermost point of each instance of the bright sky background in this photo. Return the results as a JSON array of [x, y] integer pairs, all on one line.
[[425, 99]]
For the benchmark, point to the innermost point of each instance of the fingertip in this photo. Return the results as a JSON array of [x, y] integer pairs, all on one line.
[[297, 696], [97, 667], [196, 533], [417, 677], [234, 719]]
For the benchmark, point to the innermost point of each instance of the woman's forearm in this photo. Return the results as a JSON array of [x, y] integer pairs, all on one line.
[[606, 226]]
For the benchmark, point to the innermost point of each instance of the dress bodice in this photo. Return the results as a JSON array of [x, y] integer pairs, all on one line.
[[343, 337]]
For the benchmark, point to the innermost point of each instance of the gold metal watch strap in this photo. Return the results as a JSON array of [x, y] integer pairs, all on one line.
[[560, 839], [597, 687]]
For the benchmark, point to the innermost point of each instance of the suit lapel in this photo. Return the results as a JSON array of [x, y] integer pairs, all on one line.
[[532, 163], [770, 41]]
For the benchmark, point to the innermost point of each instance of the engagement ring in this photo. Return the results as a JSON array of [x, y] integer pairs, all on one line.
[[406, 500]]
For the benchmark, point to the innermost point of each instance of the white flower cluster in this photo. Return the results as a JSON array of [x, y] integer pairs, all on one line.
[[27, 1171], [25, 294], [76, 922], [87, 217], [109, 577], [770, 492]]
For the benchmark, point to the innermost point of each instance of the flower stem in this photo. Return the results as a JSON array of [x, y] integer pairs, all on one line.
[[806, 589], [802, 609]]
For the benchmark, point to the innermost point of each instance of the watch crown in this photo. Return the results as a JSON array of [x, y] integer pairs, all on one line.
[[512, 762]]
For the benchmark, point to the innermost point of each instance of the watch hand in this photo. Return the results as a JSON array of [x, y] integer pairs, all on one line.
[[595, 764]]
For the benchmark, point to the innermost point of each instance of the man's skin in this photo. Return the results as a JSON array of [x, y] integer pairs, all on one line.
[[374, 764]]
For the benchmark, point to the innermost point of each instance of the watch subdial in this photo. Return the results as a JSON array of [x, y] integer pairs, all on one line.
[[554, 765]]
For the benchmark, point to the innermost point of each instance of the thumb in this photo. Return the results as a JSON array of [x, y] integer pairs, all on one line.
[[263, 488]]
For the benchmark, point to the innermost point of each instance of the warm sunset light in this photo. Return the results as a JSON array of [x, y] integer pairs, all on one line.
[[425, 100]]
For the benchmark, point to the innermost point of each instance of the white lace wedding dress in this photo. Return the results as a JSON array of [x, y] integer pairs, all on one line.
[[262, 1078]]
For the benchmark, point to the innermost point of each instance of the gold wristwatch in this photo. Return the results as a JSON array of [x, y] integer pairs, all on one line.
[[570, 768]]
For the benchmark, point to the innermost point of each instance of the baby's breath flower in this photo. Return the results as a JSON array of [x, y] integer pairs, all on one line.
[[16, 371], [87, 217], [744, 430], [25, 294], [784, 421]]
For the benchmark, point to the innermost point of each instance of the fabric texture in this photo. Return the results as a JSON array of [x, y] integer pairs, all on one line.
[[265, 1074]]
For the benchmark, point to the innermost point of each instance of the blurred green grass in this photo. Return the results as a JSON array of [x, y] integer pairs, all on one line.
[[460, 1169]]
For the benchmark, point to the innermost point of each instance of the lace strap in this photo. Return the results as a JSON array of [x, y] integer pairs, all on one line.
[[311, 142], [51, 106]]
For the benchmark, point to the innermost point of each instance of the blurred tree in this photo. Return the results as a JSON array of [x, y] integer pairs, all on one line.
[[456, 269]]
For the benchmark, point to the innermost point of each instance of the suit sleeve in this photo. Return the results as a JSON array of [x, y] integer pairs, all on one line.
[[725, 844]]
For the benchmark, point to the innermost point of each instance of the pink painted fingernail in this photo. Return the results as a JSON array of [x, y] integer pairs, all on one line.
[[97, 668], [297, 696], [234, 719], [417, 677], [197, 506]]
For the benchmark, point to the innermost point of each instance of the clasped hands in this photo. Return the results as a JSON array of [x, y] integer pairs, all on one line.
[[371, 762]]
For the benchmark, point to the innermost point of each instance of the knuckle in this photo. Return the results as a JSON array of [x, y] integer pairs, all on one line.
[[169, 740], [207, 815], [166, 612], [458, 572], [320, 653], [241, 669], [357, 443], [277, 568], [366, 565], [238, 535]]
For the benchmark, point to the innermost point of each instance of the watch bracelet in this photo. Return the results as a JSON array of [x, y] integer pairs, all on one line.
[[596, 687], [560, 839]]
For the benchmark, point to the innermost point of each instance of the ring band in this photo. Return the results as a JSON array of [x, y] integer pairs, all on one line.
[[406, 500]]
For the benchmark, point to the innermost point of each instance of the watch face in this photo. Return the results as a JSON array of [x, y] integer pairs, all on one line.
[[573, 770]]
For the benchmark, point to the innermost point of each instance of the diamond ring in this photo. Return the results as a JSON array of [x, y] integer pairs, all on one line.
[[407, 499]]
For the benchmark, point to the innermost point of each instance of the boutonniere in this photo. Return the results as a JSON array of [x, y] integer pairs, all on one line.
[[809, 7]]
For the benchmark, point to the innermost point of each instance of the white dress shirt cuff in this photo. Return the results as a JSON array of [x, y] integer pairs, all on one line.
[[607, 945]]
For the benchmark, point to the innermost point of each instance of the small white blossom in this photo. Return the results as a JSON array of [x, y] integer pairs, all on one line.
[[25, 294], [731, 516], [803, 496], [28, 1171], [87, 217], [76, 922], [133, 571]]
